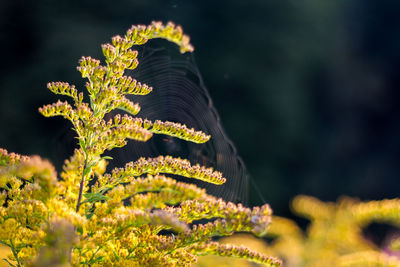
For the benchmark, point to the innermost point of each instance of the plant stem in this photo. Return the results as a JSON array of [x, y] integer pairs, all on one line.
[[15, 253], [81, 187]]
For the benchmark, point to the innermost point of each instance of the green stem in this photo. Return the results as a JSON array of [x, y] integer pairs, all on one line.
[[15, 253], [78, 204], [94, 254]]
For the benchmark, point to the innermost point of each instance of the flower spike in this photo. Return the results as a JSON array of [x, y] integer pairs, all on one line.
[[169, 165]]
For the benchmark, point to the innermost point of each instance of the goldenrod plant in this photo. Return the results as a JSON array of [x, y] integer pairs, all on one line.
[[130, 216], [248, 240], [335, 234]]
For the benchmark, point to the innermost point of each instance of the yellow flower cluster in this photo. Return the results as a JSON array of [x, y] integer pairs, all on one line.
[[168, 165], [128, 85], [28, 203], [237, 252], [117, 231], [92, 218], [334, 236], [141, 34], [61, 88], [177, 130], [369, 258], [60, 109], [257, 245], [384, 211], [155, 192], [10, 158]]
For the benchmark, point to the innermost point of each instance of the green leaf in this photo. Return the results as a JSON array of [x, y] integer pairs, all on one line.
[[92, 260], [82, 144], [95, 260], [94, 197], [79, 230], [116, 256], [87, 170]]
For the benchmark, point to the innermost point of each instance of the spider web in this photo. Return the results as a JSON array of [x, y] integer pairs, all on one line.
[[179, 95]]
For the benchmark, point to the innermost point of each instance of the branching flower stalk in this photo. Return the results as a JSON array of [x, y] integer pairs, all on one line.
[[107, 88], [131, 216]]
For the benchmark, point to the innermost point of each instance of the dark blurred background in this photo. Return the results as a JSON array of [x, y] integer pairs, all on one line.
[[307, 90]]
